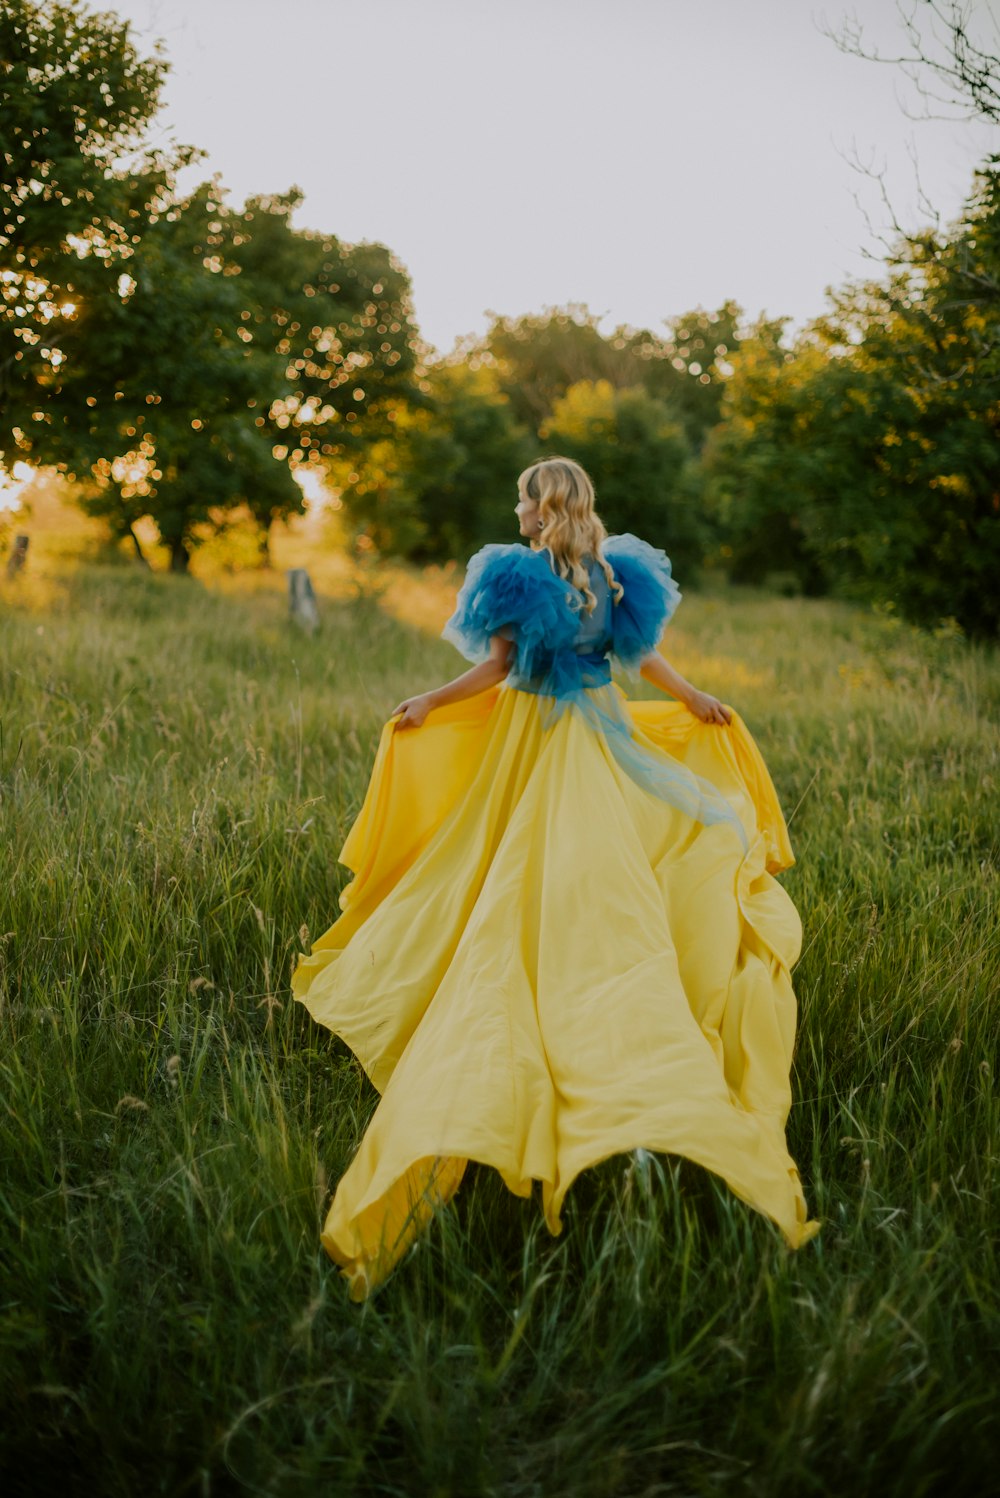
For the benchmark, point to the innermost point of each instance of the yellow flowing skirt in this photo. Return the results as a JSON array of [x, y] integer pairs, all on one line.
[[540, 964]]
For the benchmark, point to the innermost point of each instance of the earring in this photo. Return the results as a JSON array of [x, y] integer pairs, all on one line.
[[541, 525]]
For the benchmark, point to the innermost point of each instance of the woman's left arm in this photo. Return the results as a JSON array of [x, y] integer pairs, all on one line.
[[479, 679], [660, 672]]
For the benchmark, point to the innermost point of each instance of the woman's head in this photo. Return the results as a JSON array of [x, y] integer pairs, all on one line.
[[556, 510], [555, 496]]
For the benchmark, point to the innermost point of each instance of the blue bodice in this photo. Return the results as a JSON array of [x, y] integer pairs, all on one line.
[[515, 591], [592, 643], [593, 632], [562, 653]]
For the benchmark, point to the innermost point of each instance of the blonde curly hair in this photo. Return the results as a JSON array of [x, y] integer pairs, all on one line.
[[571, 527]]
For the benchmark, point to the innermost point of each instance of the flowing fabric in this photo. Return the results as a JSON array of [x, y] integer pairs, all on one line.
[[540, 962]]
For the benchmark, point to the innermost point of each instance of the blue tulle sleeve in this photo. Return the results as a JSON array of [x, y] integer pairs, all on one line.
[[512, 590], [650, 596]]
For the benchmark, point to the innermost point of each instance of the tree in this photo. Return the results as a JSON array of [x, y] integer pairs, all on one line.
[[864, 460], [942, 59], [537, 357], [75, 101], [688, 369], [339, 317], [445, 481], [640, 460], [177, 356], [792, 443], [926, 526], [949, 70], [157, 410]]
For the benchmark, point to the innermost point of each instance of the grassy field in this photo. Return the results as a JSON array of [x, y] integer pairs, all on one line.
[[178, 768]]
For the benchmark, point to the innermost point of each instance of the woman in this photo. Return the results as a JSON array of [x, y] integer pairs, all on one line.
[[563, 939]]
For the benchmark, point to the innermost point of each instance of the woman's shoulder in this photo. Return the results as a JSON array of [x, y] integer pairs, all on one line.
[[508, 555], [508, 585], [509, 568], [628, 548], [649, 594], [637, 562]]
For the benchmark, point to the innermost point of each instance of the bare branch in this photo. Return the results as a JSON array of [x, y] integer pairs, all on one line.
[[969, 74]]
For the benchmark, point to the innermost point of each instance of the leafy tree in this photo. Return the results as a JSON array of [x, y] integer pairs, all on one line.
[[537, 357], [339, 317], [474, 503], [952, 68], [866, 457], [690, 366], [640, 460], [158, 407], [75, 101], [444, 482], [925, 529], [179, 357], [759, 475]]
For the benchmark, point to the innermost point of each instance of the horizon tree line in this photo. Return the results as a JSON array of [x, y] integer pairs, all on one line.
[[183, 359]]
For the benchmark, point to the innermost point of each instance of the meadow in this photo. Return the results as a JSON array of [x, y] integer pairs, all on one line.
[[178, 769]]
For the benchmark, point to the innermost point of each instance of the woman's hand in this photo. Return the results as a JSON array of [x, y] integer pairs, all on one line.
[[477, 679], [414, 710], [709, 709], [662, 674]]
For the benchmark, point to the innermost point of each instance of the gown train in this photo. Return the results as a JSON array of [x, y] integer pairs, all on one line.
[[540, 964]]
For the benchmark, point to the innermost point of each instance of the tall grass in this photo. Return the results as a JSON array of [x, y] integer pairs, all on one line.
[[178, 769]]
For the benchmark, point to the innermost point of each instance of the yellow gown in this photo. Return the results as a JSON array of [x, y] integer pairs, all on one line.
[[540, 964]]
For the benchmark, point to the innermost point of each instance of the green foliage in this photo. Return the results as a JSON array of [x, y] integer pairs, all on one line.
[[640, 461], [690, 366], [866, 457], [340, 319], [172, 1122], [180, 357], [75, 102], [157, 393], [444, 482], [758, 465], [538, 357], [202, 372]]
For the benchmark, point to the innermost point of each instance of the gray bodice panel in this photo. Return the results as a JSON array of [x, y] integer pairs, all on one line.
[[594, 630]]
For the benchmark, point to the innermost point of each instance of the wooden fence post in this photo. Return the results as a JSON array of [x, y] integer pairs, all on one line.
[[302, 600], [18, 556]]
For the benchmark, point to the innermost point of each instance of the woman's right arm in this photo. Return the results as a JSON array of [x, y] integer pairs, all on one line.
[[479, 679], [662, 674]]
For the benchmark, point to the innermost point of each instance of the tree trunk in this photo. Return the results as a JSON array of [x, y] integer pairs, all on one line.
[[140, 554], [179, 556], [264, 545]]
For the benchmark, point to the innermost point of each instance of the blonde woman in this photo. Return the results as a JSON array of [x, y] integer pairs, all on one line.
[[564, 939]]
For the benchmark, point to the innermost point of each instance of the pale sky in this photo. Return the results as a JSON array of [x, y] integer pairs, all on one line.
[[641, 156]]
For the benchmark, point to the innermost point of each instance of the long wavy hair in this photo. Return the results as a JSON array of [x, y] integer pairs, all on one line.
[[571, 527]]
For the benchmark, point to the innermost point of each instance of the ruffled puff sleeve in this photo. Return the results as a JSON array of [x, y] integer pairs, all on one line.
[[650, 596], [512, 591]]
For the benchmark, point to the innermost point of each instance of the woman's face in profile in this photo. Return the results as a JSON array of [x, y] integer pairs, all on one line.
[[526, 511]]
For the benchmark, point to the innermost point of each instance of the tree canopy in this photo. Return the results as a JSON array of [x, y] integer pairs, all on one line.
[[865, 458], [75, 103], [178, 356]]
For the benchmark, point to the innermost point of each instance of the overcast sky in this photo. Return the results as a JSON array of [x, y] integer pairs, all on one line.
[[641, 156]]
